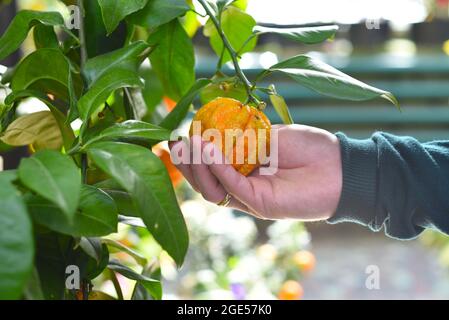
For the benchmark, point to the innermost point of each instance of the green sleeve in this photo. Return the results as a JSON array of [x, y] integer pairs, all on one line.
[[395, 183]]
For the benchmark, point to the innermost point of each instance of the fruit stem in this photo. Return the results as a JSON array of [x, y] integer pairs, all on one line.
[[248, 85]]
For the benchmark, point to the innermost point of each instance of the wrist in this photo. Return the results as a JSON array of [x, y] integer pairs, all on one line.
[[357, 201]]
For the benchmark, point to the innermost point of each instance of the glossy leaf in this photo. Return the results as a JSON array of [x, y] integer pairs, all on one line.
[[173, 58], [131, 221], [178, 114], [223, 86], [118, 247], [124, 202], [48, 71], [307, 35], [238, 27], [143, 175], [96, 39], [96, 216], [51, 262], [92, 247], [65, 129], [16, 239], [325, 79], [153, 286], [133, 130], [39, 129], [17, 31], [45, 37], [280, 106], [114, 11], [109, 72], [159, 12], [55, 177]]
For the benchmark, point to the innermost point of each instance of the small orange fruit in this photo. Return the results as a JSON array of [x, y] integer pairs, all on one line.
[[304, 260], [175, 175], [291, 290], [227, 115], [170, 104]]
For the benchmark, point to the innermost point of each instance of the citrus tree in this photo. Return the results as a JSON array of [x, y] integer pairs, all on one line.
[[80, 182]]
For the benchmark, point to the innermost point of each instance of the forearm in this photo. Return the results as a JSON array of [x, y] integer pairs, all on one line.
[[396, 183]]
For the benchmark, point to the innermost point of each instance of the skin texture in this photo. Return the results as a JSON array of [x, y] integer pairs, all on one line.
[[307, 185]]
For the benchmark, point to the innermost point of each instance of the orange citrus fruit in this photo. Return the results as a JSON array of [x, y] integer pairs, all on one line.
[[170, 104], [304, 260], [229, 114], [175, 175], [291, 290]]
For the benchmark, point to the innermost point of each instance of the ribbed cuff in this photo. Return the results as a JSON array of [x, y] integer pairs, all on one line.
[[358, 199]]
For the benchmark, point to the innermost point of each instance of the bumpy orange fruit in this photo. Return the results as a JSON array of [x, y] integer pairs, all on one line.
[[291, 290], [227, 113]]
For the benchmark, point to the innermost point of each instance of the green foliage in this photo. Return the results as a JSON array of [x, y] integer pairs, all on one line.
[[238, 27], [114, 11], [61, 205], [142, 174], [308, 35], [55, 177], [173, 59], [17, 31], [326, 80], [17, 244]]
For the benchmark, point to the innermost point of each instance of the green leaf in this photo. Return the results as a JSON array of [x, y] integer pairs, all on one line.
[[65, 129], [178, 114], [45, 37], [173, 58], [153, 91], [133, 130], [96, 216], [223, 86], [114, 11], [307, 35], [124, 202], [39, 129], [144, 176], [109, 72], [238, 27], [92, 247], [21, 24], [324, 79], [97, 41], [131, 221], [55, 252], [153, 286], [280, 106], [159, 12], [51, 263], [48, 71], [33, 289], [55, 177], [117, 246], [16, 240]]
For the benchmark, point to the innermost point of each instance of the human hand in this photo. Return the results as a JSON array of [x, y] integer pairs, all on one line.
[[306, 186]]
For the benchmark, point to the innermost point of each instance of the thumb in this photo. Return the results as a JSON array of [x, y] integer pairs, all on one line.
[[236, 184]]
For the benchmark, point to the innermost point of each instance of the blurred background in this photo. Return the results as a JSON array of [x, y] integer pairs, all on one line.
[[401, 46]]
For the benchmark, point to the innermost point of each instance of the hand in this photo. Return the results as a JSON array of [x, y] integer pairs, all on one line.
[[306, 186]]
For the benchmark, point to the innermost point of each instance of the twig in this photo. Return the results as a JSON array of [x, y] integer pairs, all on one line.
[[248, 85]]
